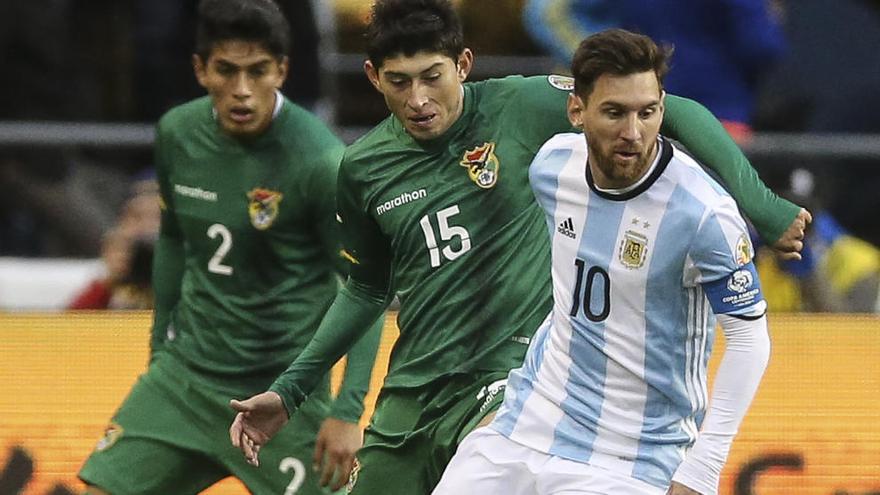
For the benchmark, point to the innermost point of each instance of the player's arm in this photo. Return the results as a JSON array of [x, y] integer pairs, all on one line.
[[777, 220], [722, 255], [340, 435], [168, 255], [349, 403], [358, 306], [360, 302]]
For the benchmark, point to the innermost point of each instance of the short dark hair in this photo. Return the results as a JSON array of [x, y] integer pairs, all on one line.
[[259, 21], [410, 26], [618, 52]]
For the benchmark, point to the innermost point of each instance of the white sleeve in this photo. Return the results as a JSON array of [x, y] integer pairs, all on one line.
[[740, 372]]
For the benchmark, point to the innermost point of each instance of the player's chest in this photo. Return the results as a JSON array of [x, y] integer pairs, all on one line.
[[471, 188], [627, 242], [243, 194]]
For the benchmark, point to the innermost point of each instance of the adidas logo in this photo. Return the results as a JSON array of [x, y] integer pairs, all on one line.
[[566, 228]]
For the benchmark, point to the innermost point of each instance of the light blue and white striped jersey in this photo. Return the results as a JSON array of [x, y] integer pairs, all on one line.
[[617, 374]]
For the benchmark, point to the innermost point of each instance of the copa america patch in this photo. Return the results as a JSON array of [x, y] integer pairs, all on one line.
[[563, 83], [738, 290]]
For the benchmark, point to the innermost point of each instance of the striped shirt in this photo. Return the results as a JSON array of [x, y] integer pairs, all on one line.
[[617, 374]]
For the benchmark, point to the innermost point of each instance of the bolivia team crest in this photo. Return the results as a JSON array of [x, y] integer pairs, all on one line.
[[482, 165], [263, 207], [633, 249]]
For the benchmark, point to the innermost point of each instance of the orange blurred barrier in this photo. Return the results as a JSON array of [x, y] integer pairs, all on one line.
[[814, 428]]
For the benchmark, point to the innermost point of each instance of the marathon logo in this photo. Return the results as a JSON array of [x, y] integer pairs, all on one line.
[[195, 193], [407, 197]]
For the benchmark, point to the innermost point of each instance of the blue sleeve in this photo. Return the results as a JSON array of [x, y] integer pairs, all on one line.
[[722, 254]]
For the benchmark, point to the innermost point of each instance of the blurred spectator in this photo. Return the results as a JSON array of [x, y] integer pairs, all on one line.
[[127, 252], [839, 272], [721, 48]]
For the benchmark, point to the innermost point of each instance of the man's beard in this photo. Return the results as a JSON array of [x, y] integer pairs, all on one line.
[[617, 174]]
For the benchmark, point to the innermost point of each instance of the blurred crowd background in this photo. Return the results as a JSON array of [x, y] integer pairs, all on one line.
[[797, 84]]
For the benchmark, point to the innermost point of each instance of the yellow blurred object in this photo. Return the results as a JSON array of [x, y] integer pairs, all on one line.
[[849, 260], [62, 376], [781, 290]]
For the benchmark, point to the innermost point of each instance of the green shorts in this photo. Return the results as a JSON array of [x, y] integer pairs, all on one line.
[[414, 433], [171, 436]]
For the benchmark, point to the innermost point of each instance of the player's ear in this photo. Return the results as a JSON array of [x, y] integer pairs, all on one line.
[[372, 74], [575, 108], [283, 66], [200, 69], [465, 63]]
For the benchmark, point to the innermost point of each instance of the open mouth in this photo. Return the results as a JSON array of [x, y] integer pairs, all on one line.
[[423, 120], [241, 115], [626, 155]]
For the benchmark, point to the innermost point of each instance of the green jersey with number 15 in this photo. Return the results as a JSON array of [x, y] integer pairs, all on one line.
[[452, 227]]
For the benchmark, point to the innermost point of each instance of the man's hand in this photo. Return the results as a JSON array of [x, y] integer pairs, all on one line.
[[792, 240], [678, 489], [338, 441], [258, 420]]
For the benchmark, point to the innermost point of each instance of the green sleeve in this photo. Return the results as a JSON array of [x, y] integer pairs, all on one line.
[[700, 132], [168, 256], [360, 303], [349, 403], [346, 321], [322, 188], [542, 104]]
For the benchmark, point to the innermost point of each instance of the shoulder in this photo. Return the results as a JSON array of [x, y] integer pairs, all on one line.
[[690, 176], [559, 147], [552, 155], [529, 87], [378, 141], [303, 128], [185, 117]]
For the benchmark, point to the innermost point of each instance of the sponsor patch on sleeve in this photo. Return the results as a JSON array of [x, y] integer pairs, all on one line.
[[564, 83], [739, 290]]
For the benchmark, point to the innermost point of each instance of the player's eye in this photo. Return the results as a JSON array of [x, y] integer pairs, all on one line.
[[432, 77], [257, 72], [647, 113], [225, 70], [612, 113]]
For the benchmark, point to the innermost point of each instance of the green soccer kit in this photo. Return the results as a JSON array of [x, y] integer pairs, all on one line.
[[452, 228], [247, 263]]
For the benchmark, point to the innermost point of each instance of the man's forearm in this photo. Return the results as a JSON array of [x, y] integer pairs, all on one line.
[[704, 136], [349, 403], [348, 319], [737, 380], [168, 265]]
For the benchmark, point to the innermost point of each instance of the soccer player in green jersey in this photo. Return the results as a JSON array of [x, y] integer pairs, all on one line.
[[437, 209], [246, 264]]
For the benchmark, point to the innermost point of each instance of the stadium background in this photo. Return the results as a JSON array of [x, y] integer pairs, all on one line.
[[814, 428]]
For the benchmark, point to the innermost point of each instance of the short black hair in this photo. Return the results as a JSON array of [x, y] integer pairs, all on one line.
[[259, 21], [410, 26], [618, 52]]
